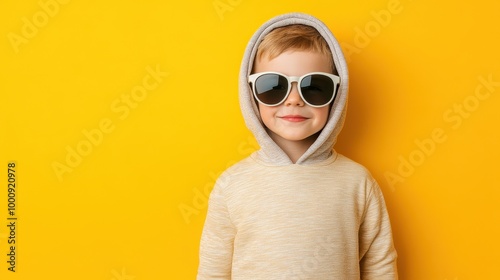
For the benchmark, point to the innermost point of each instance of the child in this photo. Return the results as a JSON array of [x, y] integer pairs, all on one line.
[[296, 209]]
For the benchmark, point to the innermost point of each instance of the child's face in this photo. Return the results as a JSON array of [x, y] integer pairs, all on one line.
[[294, 120]]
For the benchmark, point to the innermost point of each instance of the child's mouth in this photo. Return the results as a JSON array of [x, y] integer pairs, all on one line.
[[294, 118]]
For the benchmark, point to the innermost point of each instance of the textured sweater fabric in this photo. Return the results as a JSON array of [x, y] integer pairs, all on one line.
[[322, 217]]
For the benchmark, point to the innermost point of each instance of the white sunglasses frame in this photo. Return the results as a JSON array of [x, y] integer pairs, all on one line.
[[335, 79]]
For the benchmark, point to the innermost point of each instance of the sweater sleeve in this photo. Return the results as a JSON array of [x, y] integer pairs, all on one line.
[[376, 252], [216, 246]]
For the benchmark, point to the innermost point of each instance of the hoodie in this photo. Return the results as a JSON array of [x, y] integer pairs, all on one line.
[[322, 217]]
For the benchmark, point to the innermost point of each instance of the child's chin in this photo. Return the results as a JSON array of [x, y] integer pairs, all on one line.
[[298, 138]]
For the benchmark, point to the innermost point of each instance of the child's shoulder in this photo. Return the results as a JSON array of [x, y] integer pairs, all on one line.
[[235, 170], [351, 168], [343, 161], [241, 165]]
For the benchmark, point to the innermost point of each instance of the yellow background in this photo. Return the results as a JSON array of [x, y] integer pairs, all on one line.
[[117, 214]]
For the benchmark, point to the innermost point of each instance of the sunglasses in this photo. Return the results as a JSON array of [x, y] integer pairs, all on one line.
[[317, 89]]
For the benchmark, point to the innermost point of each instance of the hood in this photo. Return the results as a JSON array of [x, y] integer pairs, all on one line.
[[322, 148]]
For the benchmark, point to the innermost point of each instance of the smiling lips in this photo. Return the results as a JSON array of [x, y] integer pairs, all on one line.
[[294, 118]]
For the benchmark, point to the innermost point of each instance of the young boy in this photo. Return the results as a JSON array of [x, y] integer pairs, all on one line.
[[296, 209]]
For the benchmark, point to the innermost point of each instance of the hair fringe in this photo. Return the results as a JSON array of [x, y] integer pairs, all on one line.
[[297, 37]]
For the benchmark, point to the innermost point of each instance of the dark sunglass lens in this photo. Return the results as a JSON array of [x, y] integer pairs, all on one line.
[[317, 89], [271, 89]]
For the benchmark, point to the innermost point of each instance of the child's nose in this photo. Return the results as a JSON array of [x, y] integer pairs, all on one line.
[[294, 97]]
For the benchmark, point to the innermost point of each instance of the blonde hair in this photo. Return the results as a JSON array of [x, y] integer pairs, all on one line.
[[296, 37]]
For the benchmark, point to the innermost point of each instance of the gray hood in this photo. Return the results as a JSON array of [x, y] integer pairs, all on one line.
[[322, 148]]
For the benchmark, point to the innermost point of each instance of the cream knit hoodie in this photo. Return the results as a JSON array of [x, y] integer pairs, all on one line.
[[323, 217]]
